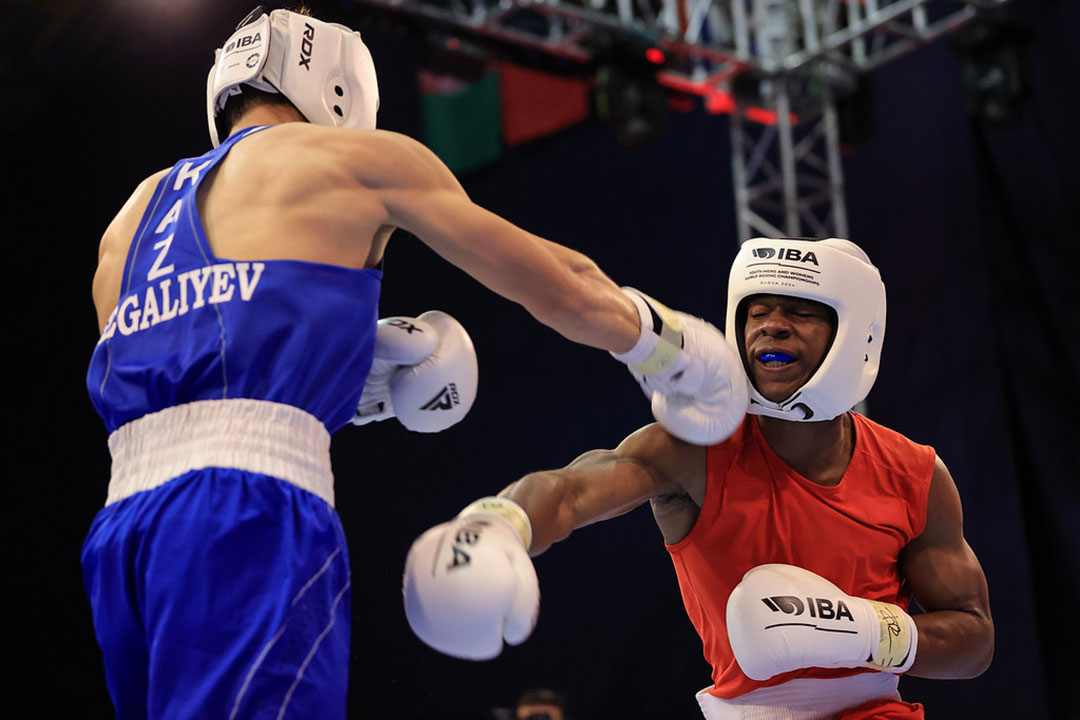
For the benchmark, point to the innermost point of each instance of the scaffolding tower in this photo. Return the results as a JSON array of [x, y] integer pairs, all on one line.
[[777, 66]]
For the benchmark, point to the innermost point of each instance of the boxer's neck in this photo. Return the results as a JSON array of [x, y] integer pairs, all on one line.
[[819, 451], [267, 114]]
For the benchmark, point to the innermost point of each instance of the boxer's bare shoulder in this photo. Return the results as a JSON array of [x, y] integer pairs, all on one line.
[[677, 507], [292, 192], [113, 248]]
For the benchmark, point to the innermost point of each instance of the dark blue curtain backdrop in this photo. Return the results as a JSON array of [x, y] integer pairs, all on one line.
[[973, 225]]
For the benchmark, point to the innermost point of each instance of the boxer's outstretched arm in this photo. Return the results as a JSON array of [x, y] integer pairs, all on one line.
[[956, 633], [603, 484], [560, 287], [469, 585]]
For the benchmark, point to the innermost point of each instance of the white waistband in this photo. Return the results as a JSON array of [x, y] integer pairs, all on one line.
[[801, 698], [254, 435]]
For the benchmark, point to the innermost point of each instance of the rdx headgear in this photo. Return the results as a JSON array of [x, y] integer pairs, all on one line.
[[324, 69], [834, 272]]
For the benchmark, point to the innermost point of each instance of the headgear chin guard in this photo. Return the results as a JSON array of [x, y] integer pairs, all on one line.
[[324, 69], [834, 272]]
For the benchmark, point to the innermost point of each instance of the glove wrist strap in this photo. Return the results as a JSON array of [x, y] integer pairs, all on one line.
[[508, 510], [661, 336], [895, 648]]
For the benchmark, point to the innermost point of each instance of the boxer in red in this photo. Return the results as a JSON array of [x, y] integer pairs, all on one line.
[[798, 541]]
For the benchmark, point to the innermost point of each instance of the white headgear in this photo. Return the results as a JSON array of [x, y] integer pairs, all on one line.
[[324, 69], [834, 272]]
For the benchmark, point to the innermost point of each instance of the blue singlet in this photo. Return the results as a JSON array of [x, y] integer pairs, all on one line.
[[222, 590]]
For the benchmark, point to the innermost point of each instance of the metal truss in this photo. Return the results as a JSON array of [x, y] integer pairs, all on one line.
[[787, 174], [776, 65]]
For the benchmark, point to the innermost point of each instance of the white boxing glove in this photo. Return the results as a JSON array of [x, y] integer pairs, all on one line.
[[424, 373], [782, 618], [696, 384], [469, 583]]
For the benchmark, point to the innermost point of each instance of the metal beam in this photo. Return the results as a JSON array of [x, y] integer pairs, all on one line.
[[800, 55]]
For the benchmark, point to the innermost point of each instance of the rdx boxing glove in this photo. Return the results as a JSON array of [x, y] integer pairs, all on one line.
[[424, 373], [697, 386]]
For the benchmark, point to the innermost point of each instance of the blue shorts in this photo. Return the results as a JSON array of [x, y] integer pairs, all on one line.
[[221, 594]]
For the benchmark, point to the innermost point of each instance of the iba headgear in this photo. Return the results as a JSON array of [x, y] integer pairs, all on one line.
[[834, 272], [324, 69]]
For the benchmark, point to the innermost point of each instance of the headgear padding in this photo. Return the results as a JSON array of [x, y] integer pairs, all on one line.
[[324, 69], [834, 272]]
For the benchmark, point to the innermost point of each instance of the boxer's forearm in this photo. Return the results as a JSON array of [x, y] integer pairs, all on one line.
[[543, 496], [598, 485], [953, 644], [594, 310], [558, 286]]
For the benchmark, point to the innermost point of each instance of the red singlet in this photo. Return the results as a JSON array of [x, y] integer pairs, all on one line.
[[758, 510]]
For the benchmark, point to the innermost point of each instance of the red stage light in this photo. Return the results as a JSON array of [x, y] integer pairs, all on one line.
[[655, 56], [719, 102], [761, 115]]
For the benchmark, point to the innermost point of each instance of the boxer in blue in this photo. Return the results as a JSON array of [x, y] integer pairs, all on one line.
[[237, 298]]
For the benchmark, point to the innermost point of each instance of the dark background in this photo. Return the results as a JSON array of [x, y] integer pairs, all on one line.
[[971, 220]]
